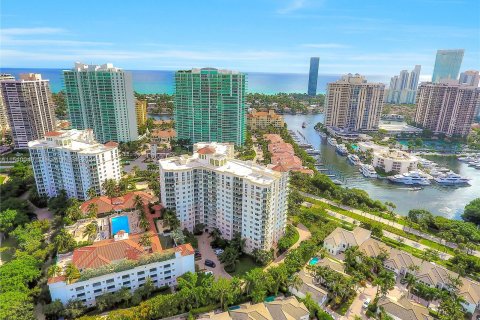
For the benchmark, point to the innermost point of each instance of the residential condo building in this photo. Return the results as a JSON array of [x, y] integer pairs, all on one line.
[[447, 65], [29, 108], [73, 161], [352, 104], [214, 189], [122, 262], [313, 76], [4, 126], [470, 78], [101, 98], [260, 120], [403, 88], [210, 106], [447, 108], [141, 112]]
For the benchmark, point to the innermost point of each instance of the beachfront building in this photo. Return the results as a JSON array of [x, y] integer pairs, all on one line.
[[353, 104], [212, 188], [29, 107], [260, 120], [210, 106], [447, 65], [447, 108], [73, 161], [313, 76], [141, 112], [4, 126], [101, 98], [122, 262], [403, 88]]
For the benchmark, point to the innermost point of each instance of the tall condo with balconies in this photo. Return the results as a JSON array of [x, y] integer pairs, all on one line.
[[210, 106], [233, 196], [101, 98]]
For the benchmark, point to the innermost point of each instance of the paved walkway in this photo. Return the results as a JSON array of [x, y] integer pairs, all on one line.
[[304, 235], [41, 213], [393, 236], [207, 253], [388, 222]]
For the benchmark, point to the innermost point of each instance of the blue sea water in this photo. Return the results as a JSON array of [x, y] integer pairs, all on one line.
[[158, 81]]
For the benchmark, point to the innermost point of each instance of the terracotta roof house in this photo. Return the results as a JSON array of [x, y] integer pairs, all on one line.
[[285, 309], [123, 203]]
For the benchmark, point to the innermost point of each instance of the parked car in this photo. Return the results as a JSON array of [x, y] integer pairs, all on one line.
[[366, 302], [218, 251], [210, 263]]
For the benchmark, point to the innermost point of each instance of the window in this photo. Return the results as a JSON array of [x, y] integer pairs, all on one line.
[[111, 287], [96, 284], [110, 280]]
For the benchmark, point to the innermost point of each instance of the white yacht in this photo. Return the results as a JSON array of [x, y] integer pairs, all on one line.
[[474, 163], [354, 159], [368, 171], [341, 149], [332, 141], [451, 179], [410, 178], [468, 158]]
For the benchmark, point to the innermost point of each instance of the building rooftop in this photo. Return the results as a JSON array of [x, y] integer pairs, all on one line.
[[353, 238], [404, 309], [169, 133], [93, 67], [81, 141]]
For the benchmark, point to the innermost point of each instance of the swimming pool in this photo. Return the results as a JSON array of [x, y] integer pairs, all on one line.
[[313, 261], [120, 223]]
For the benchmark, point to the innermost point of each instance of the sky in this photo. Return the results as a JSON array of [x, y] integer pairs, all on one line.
[[371, 37]]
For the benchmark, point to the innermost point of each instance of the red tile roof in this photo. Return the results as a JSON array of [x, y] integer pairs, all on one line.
[[280, 168], [206, 150], [53, 134], [111, 144], [105, 204], [108, 251]]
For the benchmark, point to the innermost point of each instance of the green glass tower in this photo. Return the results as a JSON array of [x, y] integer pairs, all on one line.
[[210, 105], [101, 98]]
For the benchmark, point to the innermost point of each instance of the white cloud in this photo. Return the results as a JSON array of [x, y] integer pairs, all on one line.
[[30, 31]]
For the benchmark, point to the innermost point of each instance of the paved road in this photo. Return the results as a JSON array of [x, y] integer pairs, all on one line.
[[393, 236], [207, 253], [389, 222]]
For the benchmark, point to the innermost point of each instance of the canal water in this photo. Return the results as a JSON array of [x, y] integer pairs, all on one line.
[[445, 201]]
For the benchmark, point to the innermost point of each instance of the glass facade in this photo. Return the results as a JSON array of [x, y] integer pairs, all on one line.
[[210, 106], [447, 65], [313, 76]]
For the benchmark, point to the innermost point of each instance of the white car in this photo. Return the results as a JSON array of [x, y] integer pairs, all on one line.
[[366, 302], [218, 251]]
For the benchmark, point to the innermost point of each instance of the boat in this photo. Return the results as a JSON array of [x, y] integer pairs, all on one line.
[[304, 125], [312, 151], [410, 178], [451, 179], [368, 171], [474, 163], [322, 134], [337, 182], [341, 149], [468, 158], [416, 189], [332, 141], [354, 159]]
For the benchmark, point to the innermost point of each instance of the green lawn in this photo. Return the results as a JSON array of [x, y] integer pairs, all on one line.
[[8, 249], [2, 179], [244, 264]]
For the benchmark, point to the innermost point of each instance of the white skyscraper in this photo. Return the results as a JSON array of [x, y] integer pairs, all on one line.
[[29, 105], [470, 78], [73, 161], [101, 98], [403, 88], [212, 188]]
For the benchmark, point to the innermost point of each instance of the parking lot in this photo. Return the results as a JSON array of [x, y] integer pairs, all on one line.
[[207, 253]]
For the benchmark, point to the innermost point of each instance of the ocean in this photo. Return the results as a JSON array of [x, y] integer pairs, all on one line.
[[158, 81]]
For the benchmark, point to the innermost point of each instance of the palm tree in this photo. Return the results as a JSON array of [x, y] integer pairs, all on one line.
[[294, 281], [91, 230], [138, 202], [145, 240], [110, 188], [385, 282], [91, 193], [71, 272], [92, 210], [411, 282], [53, 270]]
